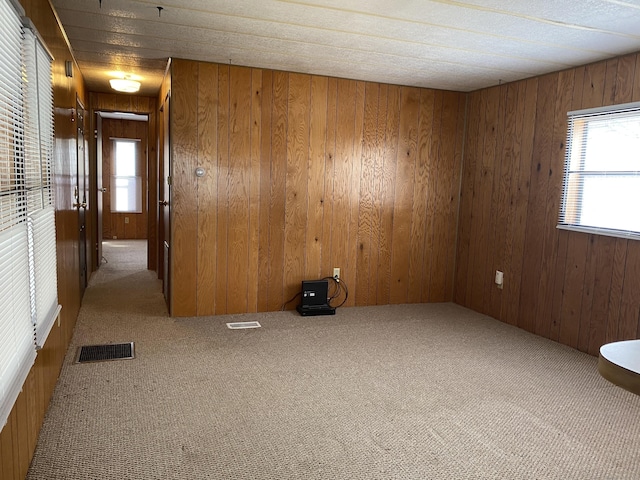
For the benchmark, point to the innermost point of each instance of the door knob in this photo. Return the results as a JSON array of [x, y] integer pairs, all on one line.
[[79, 205], [164, 203]]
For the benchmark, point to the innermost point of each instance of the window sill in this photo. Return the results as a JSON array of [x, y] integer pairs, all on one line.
[[600, 231]]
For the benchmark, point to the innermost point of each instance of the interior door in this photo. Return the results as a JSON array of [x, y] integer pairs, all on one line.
[[81, 194], [100, 189], [165, 203]]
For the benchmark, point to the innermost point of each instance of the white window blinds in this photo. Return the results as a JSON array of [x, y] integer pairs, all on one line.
[[38, 99], [17, 352], [28, 282]]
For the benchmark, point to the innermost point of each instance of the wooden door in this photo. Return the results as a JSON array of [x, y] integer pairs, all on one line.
[[81, 194], [164, 211]]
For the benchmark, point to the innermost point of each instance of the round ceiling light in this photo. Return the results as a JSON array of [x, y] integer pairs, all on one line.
[[124, 85]]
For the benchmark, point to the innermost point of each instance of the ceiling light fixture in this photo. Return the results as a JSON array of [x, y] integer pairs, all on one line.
[[125, 85]]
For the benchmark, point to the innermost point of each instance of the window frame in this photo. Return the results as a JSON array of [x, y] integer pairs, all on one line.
[[571, 209], [137, 178]]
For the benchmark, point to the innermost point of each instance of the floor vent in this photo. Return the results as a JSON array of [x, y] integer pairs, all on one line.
[[103, 353], [241, 325]]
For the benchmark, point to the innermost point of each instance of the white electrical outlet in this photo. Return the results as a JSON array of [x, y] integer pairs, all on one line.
[[336, 273], [126, 219], [499, 278]]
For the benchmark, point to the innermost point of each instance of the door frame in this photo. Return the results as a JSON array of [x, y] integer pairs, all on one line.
[[109, 103], [81, 194]]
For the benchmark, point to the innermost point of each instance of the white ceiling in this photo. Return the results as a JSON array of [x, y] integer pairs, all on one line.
[[446, 44]]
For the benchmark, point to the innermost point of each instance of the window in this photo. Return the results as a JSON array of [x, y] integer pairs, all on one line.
[[601, 189], [28, 284], [126, 181]]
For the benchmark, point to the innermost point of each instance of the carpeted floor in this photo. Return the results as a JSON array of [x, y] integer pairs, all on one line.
[[393, 392]]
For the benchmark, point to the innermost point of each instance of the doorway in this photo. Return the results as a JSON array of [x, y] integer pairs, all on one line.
[[123, 158]]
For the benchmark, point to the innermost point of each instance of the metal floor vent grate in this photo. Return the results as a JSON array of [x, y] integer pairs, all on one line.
[[103, 353], [241, 325]]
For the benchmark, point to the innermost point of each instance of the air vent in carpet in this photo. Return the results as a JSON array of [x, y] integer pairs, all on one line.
[[102, 353], [240, 325]]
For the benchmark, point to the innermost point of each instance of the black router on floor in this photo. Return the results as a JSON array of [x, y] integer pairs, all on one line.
[[315, 294]]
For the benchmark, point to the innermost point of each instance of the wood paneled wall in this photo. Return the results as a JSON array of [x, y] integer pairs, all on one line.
[[305, 173], [124, 225], [579, 289], [19, 436]]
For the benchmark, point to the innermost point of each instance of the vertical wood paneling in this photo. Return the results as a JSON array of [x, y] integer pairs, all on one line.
[[509, 165], [475, 149], [568, 286], [630, 301], [585, 319], [448, 178], [456, 194], [403, 202], [254, 190], [343, 167], [422, 231], [466, 201], [536, 215], [624, 79], [296, 182], [519, 210], [635, 82], [350, 274], [376, 218], [551, 263], [279, 129], [388, 187], [264, 278], [440, 218], [573, 288], [6, 452], [485, 174], [307, 173], [329, 162], [206, 193], [221, 243], [367, 191], [601, 291], [184, 226], [239, 188], [316, 177], [496, 218], [615, 296]]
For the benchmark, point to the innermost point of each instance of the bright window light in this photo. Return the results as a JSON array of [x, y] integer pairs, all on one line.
[[126, 183]]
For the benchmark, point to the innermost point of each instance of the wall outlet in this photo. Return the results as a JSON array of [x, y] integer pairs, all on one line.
[[499, 278], [336, 273]]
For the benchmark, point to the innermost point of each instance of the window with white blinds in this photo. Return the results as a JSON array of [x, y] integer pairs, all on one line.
[[38, 153], [17, 352], [601, 189], [28, 290]]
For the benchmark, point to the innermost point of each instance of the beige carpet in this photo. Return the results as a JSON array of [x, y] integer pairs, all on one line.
[[394, 392]]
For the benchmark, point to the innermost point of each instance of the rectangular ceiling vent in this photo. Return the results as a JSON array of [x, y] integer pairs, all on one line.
[[103, 353], [241, 325]]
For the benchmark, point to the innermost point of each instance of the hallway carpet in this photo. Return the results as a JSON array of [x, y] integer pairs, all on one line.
[[391, 392]]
